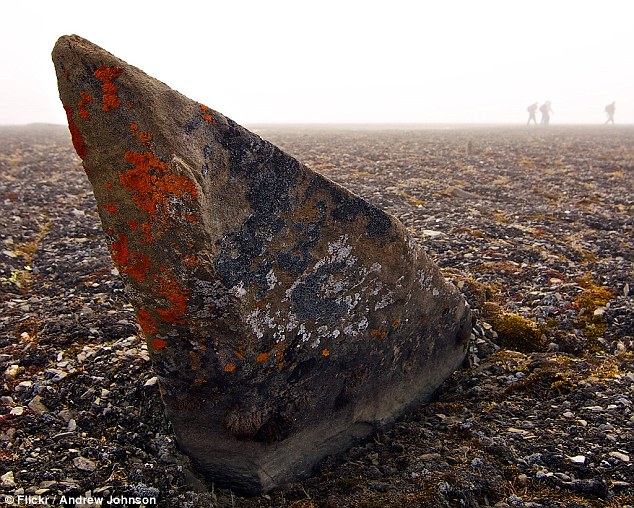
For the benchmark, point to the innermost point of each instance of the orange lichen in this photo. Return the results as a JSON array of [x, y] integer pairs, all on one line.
[[110, 208], [152, 182], [262, 357], [176, 295], [78, 141], [396, 323], [158, 344], [146, 322], [81, 107], [325, 353], [280, 347], [207, 113], [120, 251], [106, 75], [147, 230], [230, 367], [145, 137], [139, 266], [134, 264], [195, 360], [190, 260], [239, 355], [378, 333]]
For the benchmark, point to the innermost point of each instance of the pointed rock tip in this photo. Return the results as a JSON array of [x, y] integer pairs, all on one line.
[[75, 44], [76, 48]]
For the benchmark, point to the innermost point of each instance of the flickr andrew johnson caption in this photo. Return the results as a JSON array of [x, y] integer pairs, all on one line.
[[68, 501]]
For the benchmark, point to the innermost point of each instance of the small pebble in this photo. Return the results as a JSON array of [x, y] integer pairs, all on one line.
[[623, 457], [24, 386], [477, 462], [7, 480], [84, 464], [37, 406], [11, 372]]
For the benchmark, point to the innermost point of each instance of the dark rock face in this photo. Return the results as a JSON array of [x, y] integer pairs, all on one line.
[[286, 317]]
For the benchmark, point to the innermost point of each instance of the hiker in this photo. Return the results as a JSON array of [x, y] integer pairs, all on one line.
[[532, 109], [609, 109], [545, 110]]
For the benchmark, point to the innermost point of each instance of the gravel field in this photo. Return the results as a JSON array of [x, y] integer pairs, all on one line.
[[535, 226]]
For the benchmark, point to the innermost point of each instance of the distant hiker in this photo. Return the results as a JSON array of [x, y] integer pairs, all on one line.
[[545, 110], [609, 109], [532, 109]]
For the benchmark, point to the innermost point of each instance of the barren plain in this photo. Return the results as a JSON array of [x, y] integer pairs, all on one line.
[[535, 227]]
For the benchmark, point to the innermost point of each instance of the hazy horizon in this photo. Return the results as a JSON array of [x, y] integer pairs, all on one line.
[[422, 125], [343, 63]]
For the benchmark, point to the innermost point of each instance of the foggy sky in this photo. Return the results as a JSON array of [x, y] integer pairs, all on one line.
[[341, 61]]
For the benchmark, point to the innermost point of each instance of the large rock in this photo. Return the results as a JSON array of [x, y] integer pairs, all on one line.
[[286, 317]]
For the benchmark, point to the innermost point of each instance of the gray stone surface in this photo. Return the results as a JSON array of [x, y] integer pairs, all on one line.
[[286, 317]]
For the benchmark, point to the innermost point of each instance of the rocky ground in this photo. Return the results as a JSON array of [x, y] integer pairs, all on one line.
[[534, 226]]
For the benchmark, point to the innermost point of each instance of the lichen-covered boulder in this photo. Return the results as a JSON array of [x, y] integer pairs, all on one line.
[[286, 317]]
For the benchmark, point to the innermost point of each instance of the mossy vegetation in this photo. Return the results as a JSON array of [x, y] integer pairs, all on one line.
[[518, 333], [476, 292], [497, 267], [526, 162], [547, 380], [13, 162], [304, 503], [515, 332], [469, 231], [412, 199], [589, 302], [23, 278], [592, 297]]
